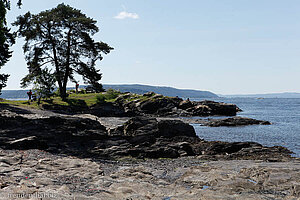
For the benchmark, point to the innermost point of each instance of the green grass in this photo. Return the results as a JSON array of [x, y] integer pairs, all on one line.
[[81, 100], [109, 96], [19, 103]]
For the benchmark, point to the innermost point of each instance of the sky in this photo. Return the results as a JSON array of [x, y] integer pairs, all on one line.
[[226, 47]]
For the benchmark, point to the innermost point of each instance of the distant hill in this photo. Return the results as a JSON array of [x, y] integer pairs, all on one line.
[[271, 95], [166, 91], [135, 88]]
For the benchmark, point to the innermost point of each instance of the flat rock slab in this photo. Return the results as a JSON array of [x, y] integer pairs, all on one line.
[[217, 122], [35, 172], [235, 121]]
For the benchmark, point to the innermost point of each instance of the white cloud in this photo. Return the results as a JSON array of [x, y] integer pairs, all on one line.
[[124, 15]]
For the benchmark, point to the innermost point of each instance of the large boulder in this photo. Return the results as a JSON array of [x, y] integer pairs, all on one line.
[[172, 128], [219, 108], [151, 126], [140, 126], [185, 104], [151, 104], [158, 106], [200, 110], [55, 134]]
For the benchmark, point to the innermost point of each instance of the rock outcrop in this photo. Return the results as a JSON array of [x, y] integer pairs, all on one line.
[[45, 155], [140, 137], [217, 122], [235, 121], [151, 104]]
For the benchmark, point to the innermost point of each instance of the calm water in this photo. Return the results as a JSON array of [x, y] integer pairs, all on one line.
[[283, 113]]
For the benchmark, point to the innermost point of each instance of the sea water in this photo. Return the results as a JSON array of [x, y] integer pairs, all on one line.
[[284, 114]]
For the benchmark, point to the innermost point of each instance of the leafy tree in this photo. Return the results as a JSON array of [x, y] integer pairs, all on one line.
[[43, 83], [62, 38], [6, 39]]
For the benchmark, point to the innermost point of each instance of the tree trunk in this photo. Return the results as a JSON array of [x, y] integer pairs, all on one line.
[[63, 93], [62, 89], [66, 75]]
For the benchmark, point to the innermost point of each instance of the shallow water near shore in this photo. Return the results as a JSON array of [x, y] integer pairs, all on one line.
[[284, 114]]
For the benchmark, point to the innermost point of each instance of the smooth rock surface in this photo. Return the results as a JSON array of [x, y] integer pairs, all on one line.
[[33, 172], [235, 121]]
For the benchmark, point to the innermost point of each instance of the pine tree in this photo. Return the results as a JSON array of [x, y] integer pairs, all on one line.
[[62, 38]]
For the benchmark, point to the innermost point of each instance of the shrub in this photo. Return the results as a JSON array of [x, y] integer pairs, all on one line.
[[111, 94], [82, 91], [56, 93], [100, 99]]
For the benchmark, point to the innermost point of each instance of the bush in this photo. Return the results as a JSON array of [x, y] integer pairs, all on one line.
[[100, 99], [82, 91], [109, 95], [71, 91], [56, 93]]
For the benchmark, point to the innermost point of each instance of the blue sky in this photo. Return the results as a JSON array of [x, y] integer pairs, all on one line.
[[227, 47]]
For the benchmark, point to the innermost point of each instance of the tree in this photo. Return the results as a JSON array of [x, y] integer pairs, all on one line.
[[6, 39], [62, 38], [43, 83]]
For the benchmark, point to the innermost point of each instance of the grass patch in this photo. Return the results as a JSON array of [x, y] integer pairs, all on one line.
[[75, 100], [82, 100], [23, 103], [109, 96]]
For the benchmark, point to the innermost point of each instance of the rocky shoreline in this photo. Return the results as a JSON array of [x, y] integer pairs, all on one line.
[[88, 136], [149, 104], [93, 156], [36, 172]]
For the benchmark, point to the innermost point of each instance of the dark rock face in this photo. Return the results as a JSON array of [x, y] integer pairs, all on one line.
[[150, 104], [109, 110], [171, 128], [229, 148], [185, 105], [55, 134], [236, 121], [141, 126], [31, 142], [154, 139], [140, 137], [150, 126], [216, 108], [158, 105]]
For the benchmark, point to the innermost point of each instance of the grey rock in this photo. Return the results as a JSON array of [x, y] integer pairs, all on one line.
[[235, 121]]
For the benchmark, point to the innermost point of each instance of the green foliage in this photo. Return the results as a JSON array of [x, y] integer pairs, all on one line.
[[43, 83], [6, 40], [109, 95], [76, 102], [112, 94], [56, 93], [100, 99], [71, 91], [82, 91], [62, 37]]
